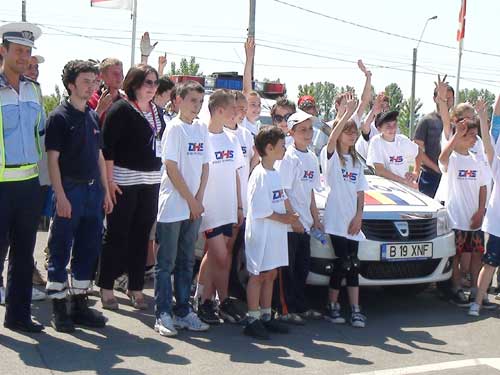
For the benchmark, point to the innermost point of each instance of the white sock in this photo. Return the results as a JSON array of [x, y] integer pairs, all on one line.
[[199, 291]]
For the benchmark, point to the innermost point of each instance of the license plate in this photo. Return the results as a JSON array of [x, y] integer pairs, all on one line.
[[405, 251]]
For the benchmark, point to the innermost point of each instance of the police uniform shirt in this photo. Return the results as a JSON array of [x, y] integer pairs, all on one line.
[[76, 135], [22, 113]]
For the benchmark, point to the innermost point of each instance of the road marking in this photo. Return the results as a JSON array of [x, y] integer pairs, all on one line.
[[491, 362]]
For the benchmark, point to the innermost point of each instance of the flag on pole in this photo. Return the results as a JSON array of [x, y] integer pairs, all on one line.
[[112, 4], [461, 21]]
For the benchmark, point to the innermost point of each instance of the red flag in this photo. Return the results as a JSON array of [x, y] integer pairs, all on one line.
[[461, 21]]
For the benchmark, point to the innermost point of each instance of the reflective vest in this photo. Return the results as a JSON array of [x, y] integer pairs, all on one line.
[[23, 172]]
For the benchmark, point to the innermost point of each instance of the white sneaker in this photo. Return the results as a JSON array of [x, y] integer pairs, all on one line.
[[165, 325], [37, 295], [474, 309], [497, 297], [2, 295], [190, 322]]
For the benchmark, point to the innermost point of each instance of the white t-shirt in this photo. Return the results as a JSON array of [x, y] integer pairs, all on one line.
[[396, 156], [299, 172], [321, 139], [186, 145], [266, 242], [344, 182], [362, 144], [466, 175], [252, 127], [491, 222], [220, 200], [246, 141]]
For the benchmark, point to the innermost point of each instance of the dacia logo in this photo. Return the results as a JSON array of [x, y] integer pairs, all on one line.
[[278, 194], [308, 175], [396, 159], [195, 147], [228, 154], [349, 176], [467, 173]]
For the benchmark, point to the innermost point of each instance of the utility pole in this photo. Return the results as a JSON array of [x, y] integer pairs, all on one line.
[[134, 31], [23, 11], [251, 26], [412, 98]]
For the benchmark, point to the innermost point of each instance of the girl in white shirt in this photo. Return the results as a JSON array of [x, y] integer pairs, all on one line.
[[343, 214]]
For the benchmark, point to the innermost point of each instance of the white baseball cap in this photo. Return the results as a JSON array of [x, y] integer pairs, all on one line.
[[297, 118]]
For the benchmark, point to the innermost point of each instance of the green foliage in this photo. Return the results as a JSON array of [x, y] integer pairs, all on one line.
[[324, 93], [52, 101], [404, 115], [393, 91], [472, 95], [188, 68]]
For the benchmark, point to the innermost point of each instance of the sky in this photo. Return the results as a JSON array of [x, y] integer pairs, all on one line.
[[293, 44]]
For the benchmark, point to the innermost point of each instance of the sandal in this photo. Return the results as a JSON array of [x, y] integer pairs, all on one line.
[[138, 303], [109, 304]]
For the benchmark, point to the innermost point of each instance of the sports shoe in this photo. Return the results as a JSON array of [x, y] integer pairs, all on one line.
[[291, 318], [275, 326], [257, 330], [460, 299], [487, 305], [230, 312], [37, 278], [164, 325], [357, 319], [207, 312], [191, 322], [474, 309], [2, 295], [37, 295], [333, 314], [149, 273], [311, 314], [121, 283]]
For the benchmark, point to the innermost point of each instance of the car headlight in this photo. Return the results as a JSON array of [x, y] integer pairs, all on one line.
[[443, 225]]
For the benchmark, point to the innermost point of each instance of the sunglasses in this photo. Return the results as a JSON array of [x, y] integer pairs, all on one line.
[[150, 83], [279, 118]]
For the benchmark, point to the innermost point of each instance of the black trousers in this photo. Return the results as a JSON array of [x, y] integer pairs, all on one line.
[[125, 241], [345, 249], [20, 205], [291, 281]]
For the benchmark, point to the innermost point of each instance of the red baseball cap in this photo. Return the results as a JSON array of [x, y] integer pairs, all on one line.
[[306, 101]]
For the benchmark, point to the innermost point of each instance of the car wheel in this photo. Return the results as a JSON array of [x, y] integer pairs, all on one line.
[[406, 290]]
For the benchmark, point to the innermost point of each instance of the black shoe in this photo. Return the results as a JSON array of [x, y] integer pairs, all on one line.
[[257, 330], [230, 312], [460, 299], [82, 315], [275, 326], [60, 318], [207, 312], [28, 326]]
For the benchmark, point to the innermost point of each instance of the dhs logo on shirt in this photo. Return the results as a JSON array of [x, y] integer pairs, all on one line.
[[349, 176], [467, 174], [244, 150], [278, 195], [223, 156], [195, 148], [396, 159], [308, 176]]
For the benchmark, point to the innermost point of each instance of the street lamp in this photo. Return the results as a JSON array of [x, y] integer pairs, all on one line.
[[413, 78]]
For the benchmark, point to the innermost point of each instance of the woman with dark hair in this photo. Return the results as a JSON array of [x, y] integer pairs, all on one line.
[[131, 137]]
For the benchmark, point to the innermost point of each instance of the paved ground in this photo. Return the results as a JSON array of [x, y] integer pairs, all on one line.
[[422, 335]]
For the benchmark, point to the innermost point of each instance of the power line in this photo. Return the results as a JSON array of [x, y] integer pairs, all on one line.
[[379, 30]]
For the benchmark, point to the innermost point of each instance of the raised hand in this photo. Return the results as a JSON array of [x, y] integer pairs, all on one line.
[[362, 67], [442, 87], [379, 103], [162, 62], [146, 46], [351, 102], [481, 107]]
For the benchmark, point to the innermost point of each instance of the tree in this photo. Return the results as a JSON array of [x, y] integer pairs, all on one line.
[[52, 101], [191, 68], [395, 95], [324, 93], [404, 115], [472, 95]]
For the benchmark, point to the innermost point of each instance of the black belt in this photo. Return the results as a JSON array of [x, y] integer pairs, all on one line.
[[79, 181]]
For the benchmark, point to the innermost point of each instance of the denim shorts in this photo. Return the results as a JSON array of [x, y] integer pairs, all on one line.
[[492, 256]]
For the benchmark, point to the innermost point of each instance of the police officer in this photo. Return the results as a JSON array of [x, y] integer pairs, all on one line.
[[21, 119]]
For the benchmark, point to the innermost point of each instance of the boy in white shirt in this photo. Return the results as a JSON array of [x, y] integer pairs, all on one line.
[[269, 214], [491, 259], [391, 154], [299, 173], [223, 209], [180, 208], [466, 201]]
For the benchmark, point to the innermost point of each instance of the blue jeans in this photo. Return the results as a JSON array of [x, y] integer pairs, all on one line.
[[79, 237], [175, 254]]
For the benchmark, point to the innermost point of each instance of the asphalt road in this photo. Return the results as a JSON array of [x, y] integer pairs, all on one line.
[[405, 335]]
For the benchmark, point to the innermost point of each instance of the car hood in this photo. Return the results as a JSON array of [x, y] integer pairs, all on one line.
[[384, 196]]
